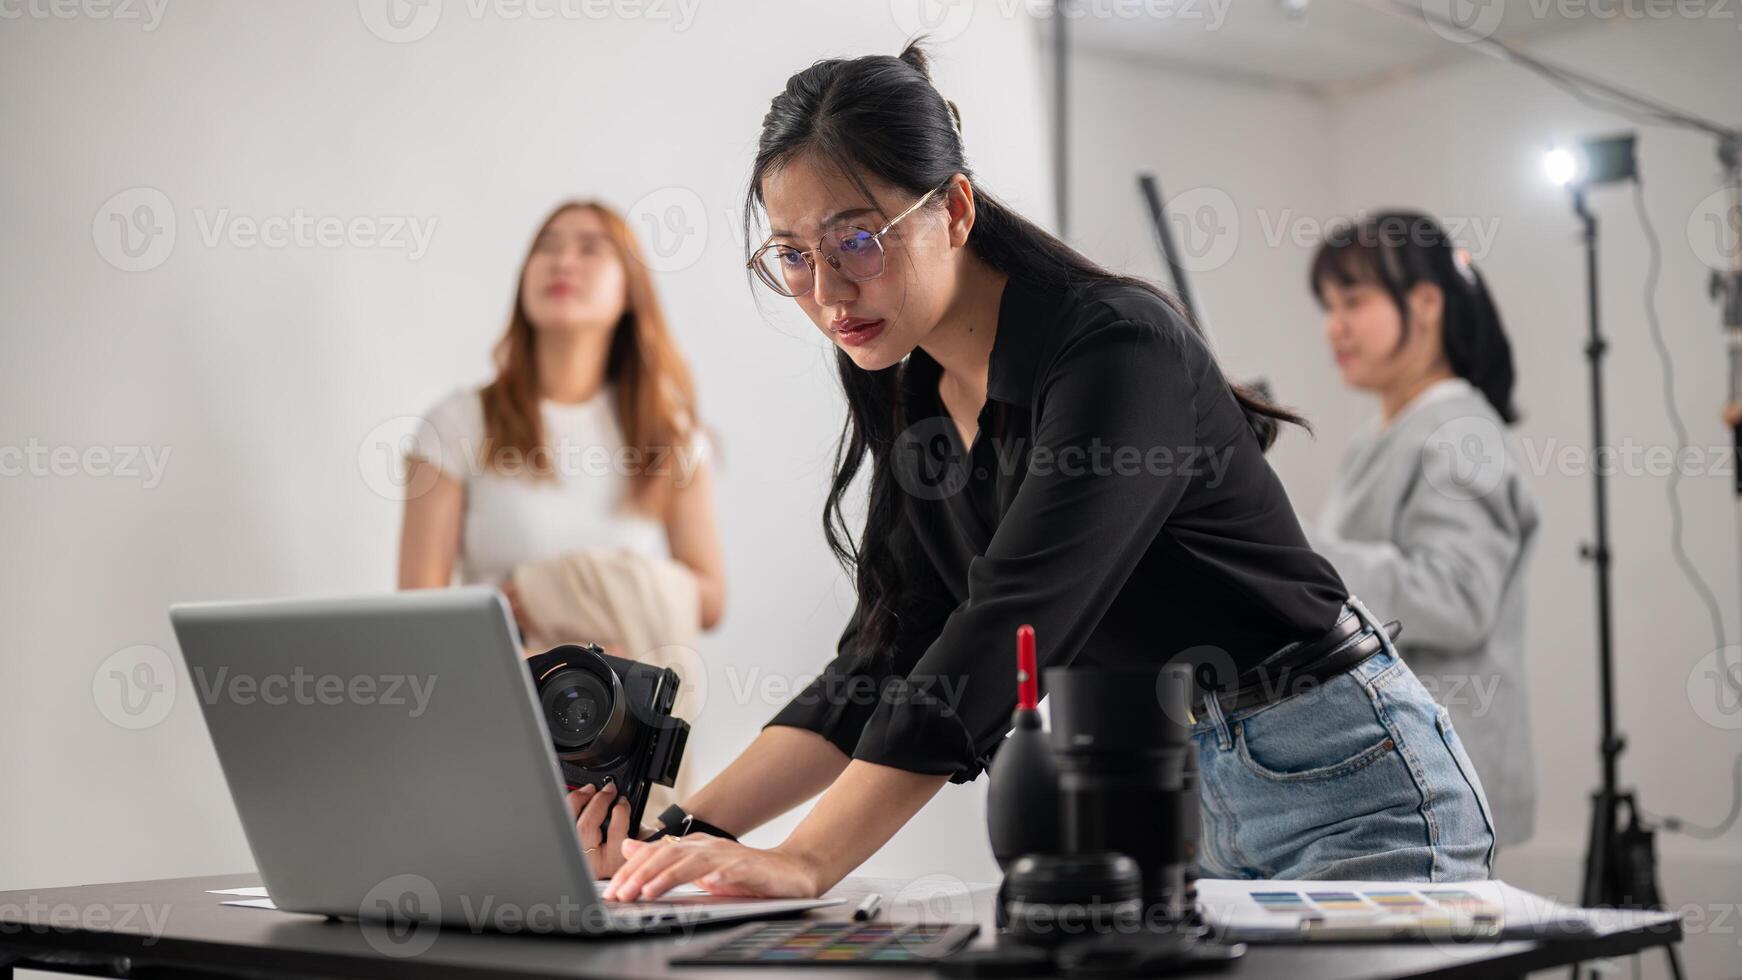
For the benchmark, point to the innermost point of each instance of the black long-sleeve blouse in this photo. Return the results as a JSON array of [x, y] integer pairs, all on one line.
[[1115, 497]]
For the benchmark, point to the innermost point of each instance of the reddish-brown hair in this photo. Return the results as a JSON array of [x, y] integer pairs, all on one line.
[[655, 394]]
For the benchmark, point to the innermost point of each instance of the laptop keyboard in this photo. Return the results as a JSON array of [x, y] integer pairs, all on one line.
[[665, 904], [660, 913]]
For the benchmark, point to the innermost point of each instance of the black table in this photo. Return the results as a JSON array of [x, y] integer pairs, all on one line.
[[173, 927]]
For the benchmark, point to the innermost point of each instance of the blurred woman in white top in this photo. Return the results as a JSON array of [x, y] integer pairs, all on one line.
[[587, 438]]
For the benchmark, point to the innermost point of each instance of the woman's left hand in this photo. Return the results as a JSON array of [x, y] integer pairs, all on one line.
[[719, 866]]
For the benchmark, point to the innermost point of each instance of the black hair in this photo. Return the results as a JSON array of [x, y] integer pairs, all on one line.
[[881, 115], [1398, 250]]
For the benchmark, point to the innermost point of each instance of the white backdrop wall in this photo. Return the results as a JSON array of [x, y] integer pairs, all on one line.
[[268, 376]]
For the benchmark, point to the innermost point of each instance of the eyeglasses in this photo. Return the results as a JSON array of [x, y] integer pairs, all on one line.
[[854, 253]]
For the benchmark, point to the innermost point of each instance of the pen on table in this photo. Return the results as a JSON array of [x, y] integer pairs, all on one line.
[[868, 908]]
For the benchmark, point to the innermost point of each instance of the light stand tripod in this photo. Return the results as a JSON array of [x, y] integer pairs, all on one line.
[[1620, 854]]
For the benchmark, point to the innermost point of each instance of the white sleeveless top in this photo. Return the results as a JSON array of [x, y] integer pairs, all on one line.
[[510, 519]]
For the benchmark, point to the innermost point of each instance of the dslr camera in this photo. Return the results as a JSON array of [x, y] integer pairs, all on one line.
[[610, 720]]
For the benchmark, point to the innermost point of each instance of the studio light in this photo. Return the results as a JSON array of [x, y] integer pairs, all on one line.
[[1562, 165], [1592, 162]]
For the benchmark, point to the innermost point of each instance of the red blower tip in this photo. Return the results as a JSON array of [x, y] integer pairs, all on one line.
[[1027, 683]]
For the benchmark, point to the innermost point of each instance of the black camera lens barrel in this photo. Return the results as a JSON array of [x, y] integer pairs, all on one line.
[[1120, 740], [582, 676], [1049, 899], [1119, 709]]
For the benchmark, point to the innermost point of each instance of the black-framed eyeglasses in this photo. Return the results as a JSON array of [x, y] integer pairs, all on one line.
[[853, 252]]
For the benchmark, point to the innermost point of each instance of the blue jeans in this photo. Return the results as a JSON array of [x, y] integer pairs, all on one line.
[[1358, 777]]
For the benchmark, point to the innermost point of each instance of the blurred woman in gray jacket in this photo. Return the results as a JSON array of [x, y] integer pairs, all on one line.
[[1431, 520]]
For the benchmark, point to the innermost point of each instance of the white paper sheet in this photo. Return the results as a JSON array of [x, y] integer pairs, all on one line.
[[1292, 911]]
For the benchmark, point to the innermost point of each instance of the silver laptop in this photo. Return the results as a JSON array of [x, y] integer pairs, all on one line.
[[389, 762]]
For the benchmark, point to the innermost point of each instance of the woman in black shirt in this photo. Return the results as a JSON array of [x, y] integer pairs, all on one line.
[[1049, 444]]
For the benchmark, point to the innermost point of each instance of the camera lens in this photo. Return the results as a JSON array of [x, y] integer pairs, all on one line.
[[1121, 748], [585, 709], [578, 706]]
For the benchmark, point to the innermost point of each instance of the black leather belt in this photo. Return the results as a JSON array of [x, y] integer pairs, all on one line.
[[1298, 668]]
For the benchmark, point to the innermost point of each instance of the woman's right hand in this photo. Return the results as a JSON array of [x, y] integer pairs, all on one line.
[[602, 824]]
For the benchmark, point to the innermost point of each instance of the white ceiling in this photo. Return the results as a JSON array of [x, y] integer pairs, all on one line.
[[1334, 44]]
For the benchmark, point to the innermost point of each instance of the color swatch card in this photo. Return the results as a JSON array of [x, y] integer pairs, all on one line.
[[1293, 911]]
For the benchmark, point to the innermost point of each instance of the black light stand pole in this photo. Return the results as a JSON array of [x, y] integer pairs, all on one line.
[[1152, 199], [1620, 861], [1604, 800]]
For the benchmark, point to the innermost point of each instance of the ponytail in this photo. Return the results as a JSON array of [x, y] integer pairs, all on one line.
[[1477, 347]]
